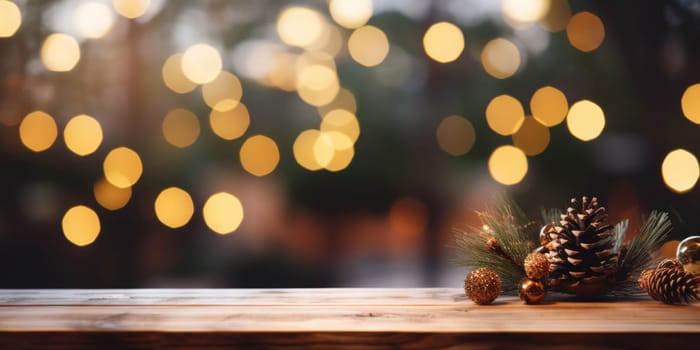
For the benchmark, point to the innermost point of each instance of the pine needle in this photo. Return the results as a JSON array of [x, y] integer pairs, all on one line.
[[515, 234], [652, 234]]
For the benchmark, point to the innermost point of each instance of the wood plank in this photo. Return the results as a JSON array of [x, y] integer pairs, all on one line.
[[327, 311], [326, 296]]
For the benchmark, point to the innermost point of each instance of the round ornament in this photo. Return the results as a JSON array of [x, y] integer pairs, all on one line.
[[536, 266], [688, 254], [482, 285], [531, 291]]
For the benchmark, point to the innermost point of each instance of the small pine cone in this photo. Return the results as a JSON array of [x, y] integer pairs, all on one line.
[[670, 286], [670, 264]]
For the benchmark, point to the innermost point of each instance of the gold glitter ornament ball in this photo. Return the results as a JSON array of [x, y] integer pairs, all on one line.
[[536, 266], [531, 291], [482, 286], [688, 254]]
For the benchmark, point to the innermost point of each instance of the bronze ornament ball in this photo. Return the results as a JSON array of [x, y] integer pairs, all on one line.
[[482, 286], [688, 254], [531, 291], [536, 266]]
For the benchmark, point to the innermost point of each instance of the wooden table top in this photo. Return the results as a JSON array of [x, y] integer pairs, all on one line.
[[338, 318]]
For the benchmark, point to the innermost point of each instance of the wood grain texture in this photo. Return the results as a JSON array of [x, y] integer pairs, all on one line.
[[305, 318]]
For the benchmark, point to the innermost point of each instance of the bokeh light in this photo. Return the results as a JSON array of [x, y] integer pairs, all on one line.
[[350, 13], [122, 167], [323, 149], [173, 76], [669, 248], [690, 103], [341, 159], [500, 58], [174, 207], [259, 155], [343, 100], [201, 63], [505, 114], [557, 17], [524, 11], [81, 225], [368, 46], [231, 124], [549, 106], [342, 121], [680, 170], [585, 120], [408, 217], [223, 213], [38, 131], [300, 26], [131, 8], [455, 135], [60, 52], [109, 196], [303, 149], [443, 42], [585, 31], [223, 93], [10, 18], [532, 137], [82, 134], [508, 165], [317, 84], [93, 20], [181, 127]]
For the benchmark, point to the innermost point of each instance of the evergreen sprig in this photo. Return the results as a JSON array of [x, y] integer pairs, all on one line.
[[638, 256], [506, 237]]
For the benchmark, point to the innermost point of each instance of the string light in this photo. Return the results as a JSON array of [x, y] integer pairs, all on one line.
[[508, 165], [122, 167], [38, 131], [60, 52], [259, 155], [680, 170], [201, 63], [505, 114], [83, 134], [549, 106], [443, 42], [223, 213], [81, 225], [585, 120], [174, 207], [10, 18]]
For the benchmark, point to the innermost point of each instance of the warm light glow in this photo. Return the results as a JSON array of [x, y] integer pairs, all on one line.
[[342, 121], [500, 58], [317, 84], [223, 213], [443, 42], [557, 17], [341, 159], [585, 120], [111, 197], [223, 93], [81, 225], [585, 31], [201, 63], [351, 13], [83, 135], [669, 248], [231, 124], [131, 8], [532, 138], [60, 52], [181, 127], [455, 135], [339, 140], [508, 165], [368, 46], [680, 170], [524, 11], [122, 167], [300, 26], [173, 76], [259, 155], [174, 207], [408, 218], [303, 149], [690, 103], [323, 150], [549, 106], [505, 114], [331, 41], [343, 100], [38, 131], [93, 20], [10, 18]]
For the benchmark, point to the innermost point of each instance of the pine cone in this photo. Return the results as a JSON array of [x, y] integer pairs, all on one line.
[[670, 286], [582, 258]]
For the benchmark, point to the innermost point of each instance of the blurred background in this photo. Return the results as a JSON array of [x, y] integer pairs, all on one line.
[[325, 143]]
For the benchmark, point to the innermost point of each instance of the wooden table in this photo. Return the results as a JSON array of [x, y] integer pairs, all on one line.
[[432, 318]]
